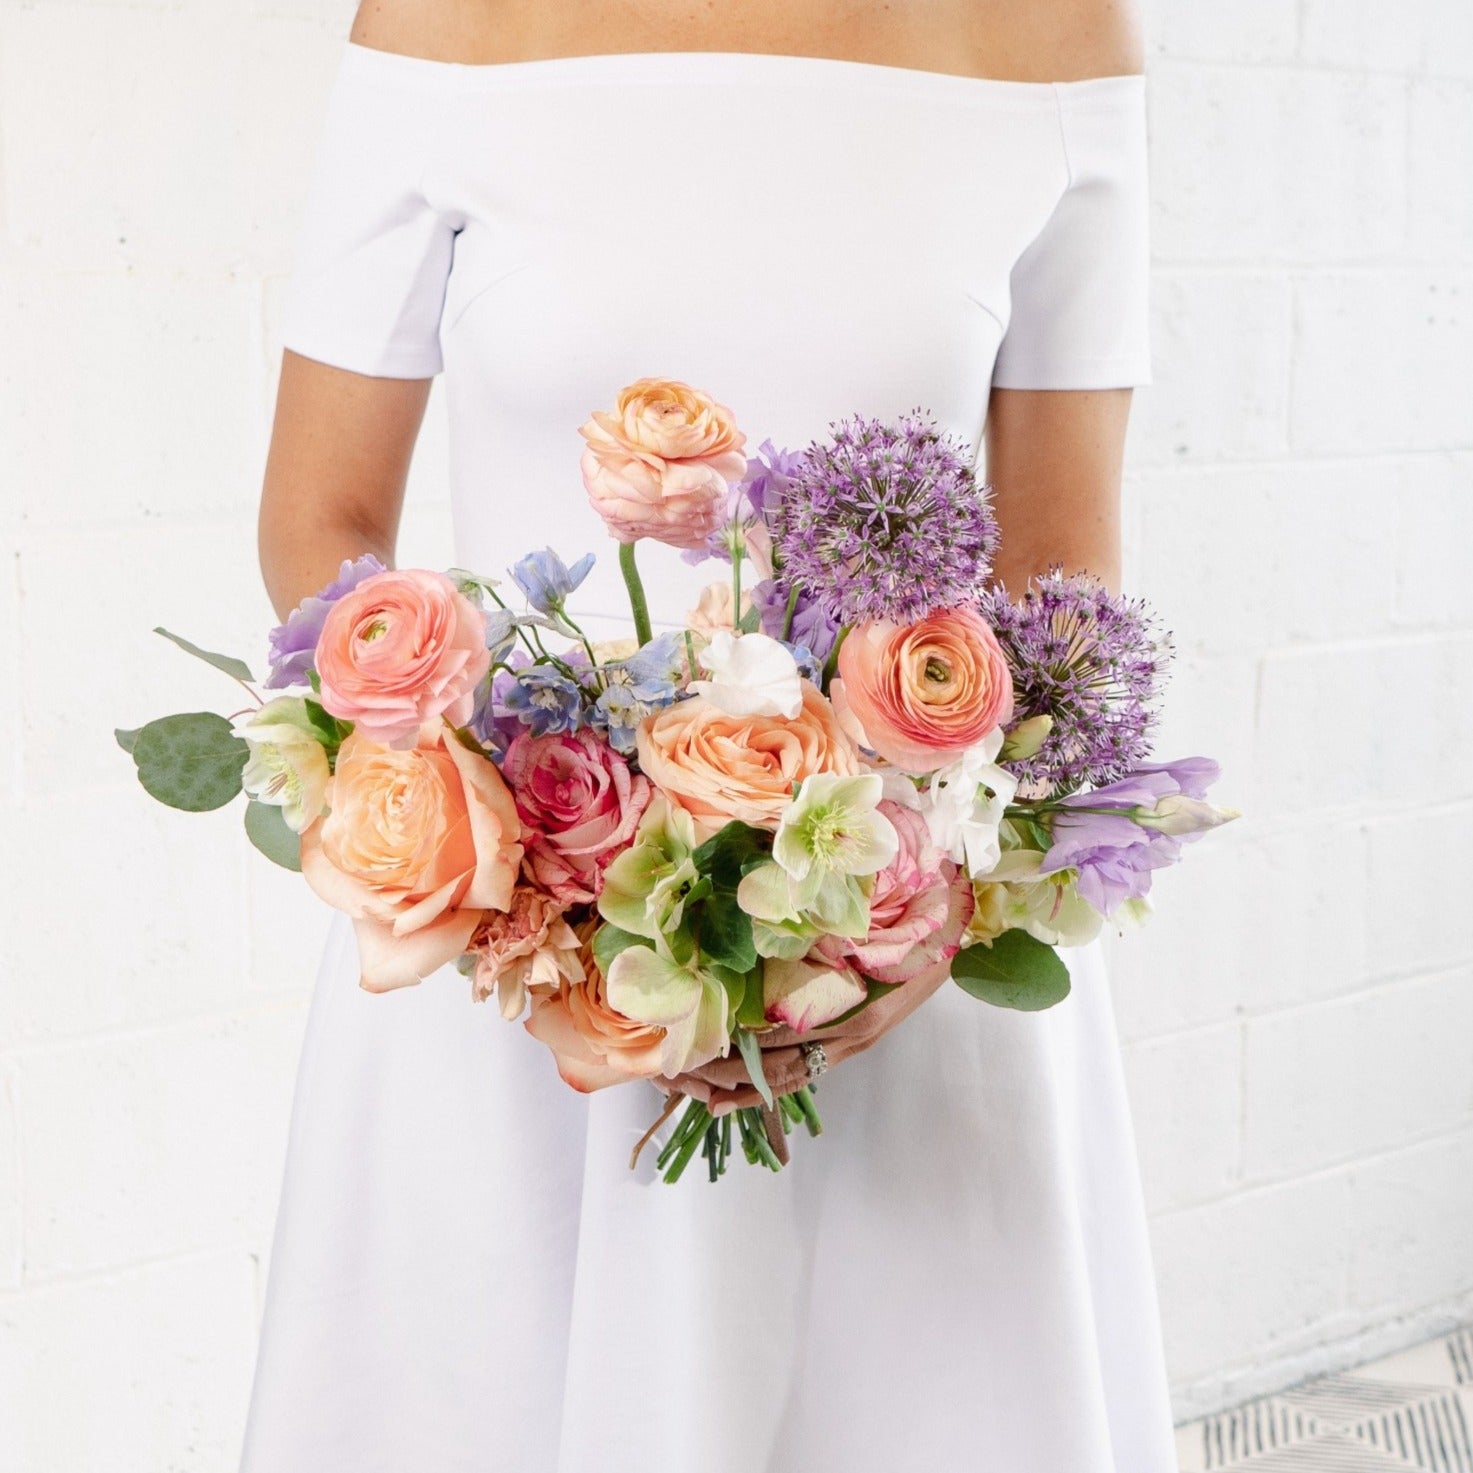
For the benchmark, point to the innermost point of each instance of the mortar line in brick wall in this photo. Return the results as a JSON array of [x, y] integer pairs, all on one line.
[[1366, 643], [1242, 1016], [274, 1005], [1263, 1186], [37, 1285]]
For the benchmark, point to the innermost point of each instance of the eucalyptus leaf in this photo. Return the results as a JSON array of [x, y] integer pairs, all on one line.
[[266, 827], [726, 853], [192, 761], [1015, 971], [751, 1052], [126, 739], [228, 663]]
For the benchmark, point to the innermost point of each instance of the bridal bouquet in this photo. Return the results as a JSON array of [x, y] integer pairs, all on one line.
[[861, 768]]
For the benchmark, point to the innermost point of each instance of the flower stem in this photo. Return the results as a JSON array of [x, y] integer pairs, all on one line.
[[637, 603], [831, 665], [736, 587], [789, 612]]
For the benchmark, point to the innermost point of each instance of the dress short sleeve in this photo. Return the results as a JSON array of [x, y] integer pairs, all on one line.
[[373, 252], [1080, 316]]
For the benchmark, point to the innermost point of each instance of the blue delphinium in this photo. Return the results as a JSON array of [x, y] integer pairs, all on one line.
[[547, 581], [637, 687], [544, 699]]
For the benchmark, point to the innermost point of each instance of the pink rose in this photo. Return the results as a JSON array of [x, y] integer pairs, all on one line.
[[594, 1044], [402, 649], [658, 466], [580, 803], [417, 846], [919, 909], [922, 694], [526, 947]]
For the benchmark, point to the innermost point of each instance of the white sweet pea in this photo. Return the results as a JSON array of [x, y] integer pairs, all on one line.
[[1180, 815], [752, 675], [962, 817], [287, 765]]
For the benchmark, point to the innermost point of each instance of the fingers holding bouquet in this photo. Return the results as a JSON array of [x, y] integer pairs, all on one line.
[[731, 855]]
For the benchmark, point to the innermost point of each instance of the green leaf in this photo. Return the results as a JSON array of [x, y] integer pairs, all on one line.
[[609, 941], [267, 829], [228, 663], [751, 1011], [126, 739], [751, 621], [192, 761], [751, 1051], [1016, 971], [726, 933], [725, 854]]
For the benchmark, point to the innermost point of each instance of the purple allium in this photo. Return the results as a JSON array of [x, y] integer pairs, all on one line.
[[1091, 661], [1115, 852], [884, 522], [293, 645], [811, 627]]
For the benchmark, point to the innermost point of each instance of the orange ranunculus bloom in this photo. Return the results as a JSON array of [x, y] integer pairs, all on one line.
[[922, 694]]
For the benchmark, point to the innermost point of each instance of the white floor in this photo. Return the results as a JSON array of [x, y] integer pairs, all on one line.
[[1412, 1410]]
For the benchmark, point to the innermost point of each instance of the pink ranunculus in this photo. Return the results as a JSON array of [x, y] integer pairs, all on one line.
[[659, 465], [580, 803], [404, 648], [919, 908], [417, 846], [922, 694]]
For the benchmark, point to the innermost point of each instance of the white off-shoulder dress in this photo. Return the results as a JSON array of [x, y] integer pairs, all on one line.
[[467, 1277]]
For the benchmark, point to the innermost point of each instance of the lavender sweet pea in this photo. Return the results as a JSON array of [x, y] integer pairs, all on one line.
[[293, 645], [1115, 836]]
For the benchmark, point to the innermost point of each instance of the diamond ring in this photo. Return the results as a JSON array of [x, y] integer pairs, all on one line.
[[814, 1059]]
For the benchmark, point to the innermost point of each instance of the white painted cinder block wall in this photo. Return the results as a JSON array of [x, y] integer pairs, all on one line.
[[1297, 1019]]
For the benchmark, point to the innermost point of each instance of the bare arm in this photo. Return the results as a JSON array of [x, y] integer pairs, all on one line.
[[1054, 459], [341, 444]]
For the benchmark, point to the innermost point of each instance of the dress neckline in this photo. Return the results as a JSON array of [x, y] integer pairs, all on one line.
[[713, 65]]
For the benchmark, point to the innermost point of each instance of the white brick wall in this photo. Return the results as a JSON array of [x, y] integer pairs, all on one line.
[[1295, 1019]]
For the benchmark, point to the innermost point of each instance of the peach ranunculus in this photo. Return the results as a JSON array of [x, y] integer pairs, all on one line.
[[579, 803], [526, 947], [594, 1044], [403, 648], [659, 465], [719, 767], [922, 694], [418, 844]]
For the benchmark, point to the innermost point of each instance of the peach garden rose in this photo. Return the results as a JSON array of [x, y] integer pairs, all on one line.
[[659, 464], [922, 694], [402, 649], [718, 766], [418, 844]]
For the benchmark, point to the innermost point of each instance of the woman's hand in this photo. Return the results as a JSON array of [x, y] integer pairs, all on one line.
[[724, 1084]]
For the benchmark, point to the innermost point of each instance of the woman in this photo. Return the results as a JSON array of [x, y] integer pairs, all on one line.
[[809, 211]]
